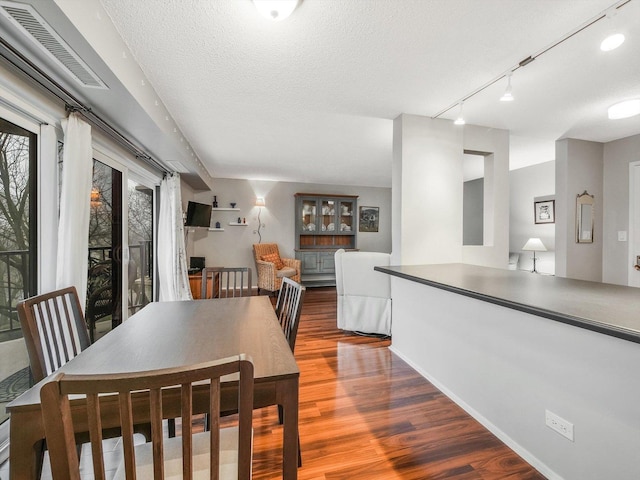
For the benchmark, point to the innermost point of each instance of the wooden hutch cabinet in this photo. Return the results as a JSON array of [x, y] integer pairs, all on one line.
[[324, 224]]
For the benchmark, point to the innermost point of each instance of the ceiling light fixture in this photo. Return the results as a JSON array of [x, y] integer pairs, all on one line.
[[507, 96], [460, 119], [276, 10], [612, 42], [526, 61], [625, 109]]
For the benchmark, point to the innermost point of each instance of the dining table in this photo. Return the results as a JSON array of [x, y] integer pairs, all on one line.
[[171, 334]]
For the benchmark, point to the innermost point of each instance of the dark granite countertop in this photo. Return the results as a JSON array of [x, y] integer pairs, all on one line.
[[605, 308]]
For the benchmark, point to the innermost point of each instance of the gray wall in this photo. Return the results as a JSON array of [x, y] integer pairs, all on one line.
[[528, 184], [233, 247], [473, 212], [579, 167], [617, 157]]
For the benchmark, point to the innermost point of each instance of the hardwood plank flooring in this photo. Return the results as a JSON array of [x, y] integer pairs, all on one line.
[[365, 414]]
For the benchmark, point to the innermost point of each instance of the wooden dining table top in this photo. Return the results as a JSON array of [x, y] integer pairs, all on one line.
[[170, 334]]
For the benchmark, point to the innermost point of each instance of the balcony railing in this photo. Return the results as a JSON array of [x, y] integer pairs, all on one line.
[[14, 284], [14, 288]]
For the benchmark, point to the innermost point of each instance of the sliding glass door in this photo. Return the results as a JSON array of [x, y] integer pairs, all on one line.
[[140, 268], [17, 253], [104, 286]]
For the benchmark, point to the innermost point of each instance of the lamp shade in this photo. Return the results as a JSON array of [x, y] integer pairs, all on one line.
[[535, 245], [260, 202]]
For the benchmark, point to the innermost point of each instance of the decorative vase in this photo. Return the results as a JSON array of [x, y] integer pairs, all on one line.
[[233, 204], [217, 224], [239, 220], [215, 201]]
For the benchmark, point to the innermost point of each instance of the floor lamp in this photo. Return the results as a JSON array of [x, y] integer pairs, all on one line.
[[534, 245]]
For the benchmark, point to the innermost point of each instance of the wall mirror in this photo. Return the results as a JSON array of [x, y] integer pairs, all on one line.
[[584, 218]]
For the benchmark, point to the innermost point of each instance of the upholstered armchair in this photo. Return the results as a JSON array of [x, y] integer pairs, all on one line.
[[272, 268], [364, 295]]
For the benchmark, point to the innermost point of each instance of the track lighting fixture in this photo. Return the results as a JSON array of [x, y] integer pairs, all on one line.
[[460, 119], [507, 96], [614, 40]]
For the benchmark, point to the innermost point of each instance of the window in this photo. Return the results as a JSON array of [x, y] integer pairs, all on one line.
[[18, 240]]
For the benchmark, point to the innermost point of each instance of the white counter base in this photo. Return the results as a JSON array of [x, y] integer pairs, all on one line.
[[506, 367]]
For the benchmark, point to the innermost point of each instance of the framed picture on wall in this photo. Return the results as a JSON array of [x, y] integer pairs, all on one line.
[[545, 211], [369, 218]]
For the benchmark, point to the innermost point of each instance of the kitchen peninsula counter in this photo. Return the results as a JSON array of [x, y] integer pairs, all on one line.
[[509, 346], [601, 307]]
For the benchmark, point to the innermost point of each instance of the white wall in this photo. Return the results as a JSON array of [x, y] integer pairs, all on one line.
[[495, 252], [233, 247], [536, 182], [429, 228], [617, 157], [579, 167], [427, 192], [506, 367]]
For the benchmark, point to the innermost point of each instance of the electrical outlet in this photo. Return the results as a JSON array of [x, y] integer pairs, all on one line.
[[558, 424]]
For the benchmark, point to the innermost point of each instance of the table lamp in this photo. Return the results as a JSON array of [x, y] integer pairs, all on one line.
[[534, 245]]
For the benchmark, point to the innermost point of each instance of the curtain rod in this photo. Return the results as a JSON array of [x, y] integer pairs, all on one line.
[[32, 72]]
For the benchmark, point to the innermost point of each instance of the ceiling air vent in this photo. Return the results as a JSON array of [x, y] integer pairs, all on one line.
[[30, 23]]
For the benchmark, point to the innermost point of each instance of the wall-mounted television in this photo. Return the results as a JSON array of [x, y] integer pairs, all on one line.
[[198, 215]]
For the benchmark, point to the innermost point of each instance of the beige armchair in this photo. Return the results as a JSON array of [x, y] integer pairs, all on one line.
[[267, 258]]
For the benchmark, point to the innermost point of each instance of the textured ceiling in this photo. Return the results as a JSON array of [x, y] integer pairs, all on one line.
[[312, 98]]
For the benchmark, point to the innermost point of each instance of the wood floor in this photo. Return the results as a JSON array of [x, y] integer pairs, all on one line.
[[365, 414]]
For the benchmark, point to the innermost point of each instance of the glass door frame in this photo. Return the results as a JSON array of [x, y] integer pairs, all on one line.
[[143, 177], [36, 203]]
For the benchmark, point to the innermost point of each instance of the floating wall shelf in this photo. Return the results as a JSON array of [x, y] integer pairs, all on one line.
[[216, 229], [225, 209], [236, 224]]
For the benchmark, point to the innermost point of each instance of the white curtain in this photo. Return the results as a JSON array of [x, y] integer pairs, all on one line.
[[73, 228], [172, 255]]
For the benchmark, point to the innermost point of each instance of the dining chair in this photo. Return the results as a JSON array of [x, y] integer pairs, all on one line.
[[225, 282], [288, 310], [289, 307], [54, 330], [143, 395]]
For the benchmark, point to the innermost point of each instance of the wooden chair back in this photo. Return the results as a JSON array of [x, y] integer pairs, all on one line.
[[226, 281], [289, 307], [140, 398], [54, 330]]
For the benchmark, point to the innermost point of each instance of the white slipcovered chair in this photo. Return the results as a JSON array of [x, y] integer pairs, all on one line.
[[364, 296]]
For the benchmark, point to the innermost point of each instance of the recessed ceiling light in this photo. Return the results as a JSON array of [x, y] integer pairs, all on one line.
[[276, 10], [625, 109], [612, 42]]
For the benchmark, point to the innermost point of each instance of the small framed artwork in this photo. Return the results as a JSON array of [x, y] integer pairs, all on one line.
[[545, 211], [369, 218]]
